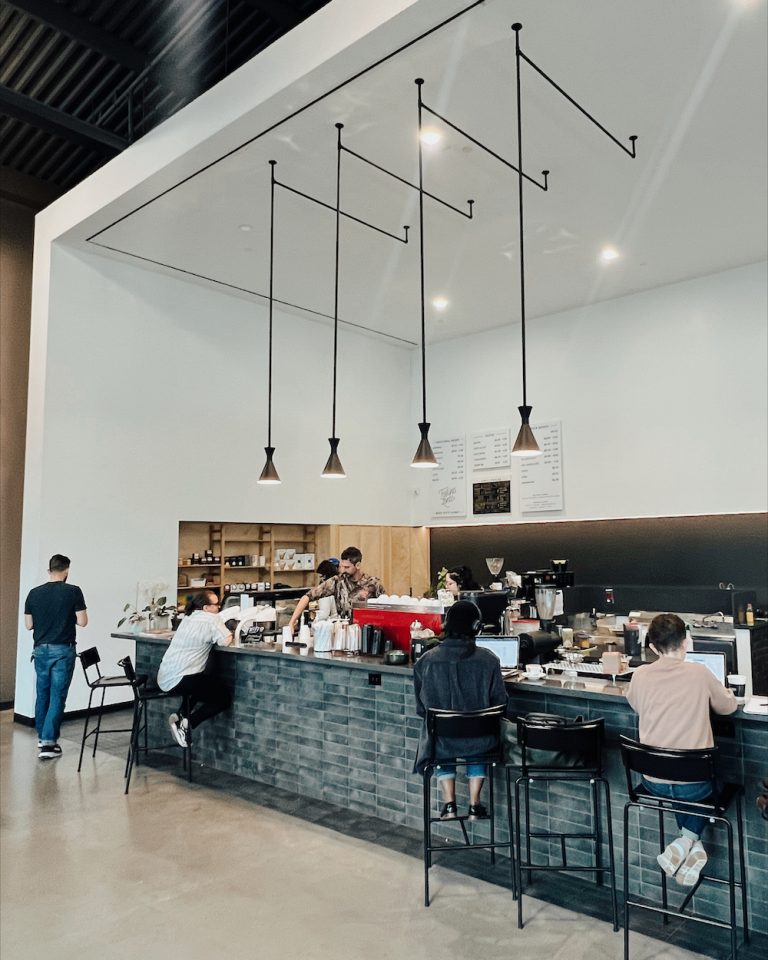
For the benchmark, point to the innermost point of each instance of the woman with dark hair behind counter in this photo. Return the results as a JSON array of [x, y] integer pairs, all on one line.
[[328, 568], [458, 579]]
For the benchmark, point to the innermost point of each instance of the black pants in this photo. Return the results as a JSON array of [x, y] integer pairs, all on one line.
[[205, 689]]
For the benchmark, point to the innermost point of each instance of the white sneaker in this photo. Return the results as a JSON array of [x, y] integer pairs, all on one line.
[[674, 855], [180, 729], [688, 874]]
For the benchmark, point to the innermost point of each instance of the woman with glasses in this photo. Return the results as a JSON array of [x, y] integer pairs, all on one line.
[[187, 665]]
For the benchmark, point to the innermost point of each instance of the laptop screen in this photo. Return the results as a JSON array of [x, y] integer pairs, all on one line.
[[507, 649], [713, 661]]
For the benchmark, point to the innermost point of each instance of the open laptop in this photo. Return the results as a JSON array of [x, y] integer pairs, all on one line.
[[713, 661], [507, 649]]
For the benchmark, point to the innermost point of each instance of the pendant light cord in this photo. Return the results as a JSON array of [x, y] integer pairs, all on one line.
[[419, 83], [339, 128], [271, 297], [517, 28]]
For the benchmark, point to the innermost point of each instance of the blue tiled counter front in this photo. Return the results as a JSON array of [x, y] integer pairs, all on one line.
[[316, 727]]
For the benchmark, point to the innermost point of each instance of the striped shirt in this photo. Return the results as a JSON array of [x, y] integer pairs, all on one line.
[[190, 647]]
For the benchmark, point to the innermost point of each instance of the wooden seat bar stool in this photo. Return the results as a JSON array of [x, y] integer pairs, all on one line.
[[144, 694], [453, 725], [685, 766], [89, 661], [554, 750]]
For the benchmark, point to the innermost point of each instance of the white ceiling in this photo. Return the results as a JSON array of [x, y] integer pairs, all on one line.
[[688, 77]]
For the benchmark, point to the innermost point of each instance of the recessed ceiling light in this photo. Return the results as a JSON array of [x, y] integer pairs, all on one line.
[[440, 303], [609, 254], [245, 227], [430, 137]]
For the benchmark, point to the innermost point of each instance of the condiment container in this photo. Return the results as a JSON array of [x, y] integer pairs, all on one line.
[[612, 663]]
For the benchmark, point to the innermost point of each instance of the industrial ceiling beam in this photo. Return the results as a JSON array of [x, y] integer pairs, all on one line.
[[24, 108], [281, 11], [83, 31]]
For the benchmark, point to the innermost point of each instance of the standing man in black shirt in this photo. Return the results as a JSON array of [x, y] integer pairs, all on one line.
[[53, 611]]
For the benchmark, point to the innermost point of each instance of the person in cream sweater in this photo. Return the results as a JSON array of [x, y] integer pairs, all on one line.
[[673, 700]]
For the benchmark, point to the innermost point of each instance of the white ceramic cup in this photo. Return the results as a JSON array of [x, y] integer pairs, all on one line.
[[534, 670]]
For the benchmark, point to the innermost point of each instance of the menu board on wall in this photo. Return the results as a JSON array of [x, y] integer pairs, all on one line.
[[491, 496], [541, 478], [448, 489], [490, 450]]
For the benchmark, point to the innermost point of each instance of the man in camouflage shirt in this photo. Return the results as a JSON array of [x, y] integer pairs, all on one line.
[[350, 585]]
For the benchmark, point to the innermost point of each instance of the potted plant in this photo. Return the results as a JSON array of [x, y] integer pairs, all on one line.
[[135, 618], [157, 613]]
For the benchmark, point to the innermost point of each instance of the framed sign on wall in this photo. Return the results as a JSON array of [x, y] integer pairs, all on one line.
[[491, 496]]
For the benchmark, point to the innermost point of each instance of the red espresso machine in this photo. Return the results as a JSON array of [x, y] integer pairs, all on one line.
[[395, 621]]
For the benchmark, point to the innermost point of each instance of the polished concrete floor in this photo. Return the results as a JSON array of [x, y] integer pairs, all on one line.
[[205, 871]]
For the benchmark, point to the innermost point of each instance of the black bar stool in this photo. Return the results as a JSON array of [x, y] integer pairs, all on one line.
[[685, 766], [474, 725], [89, 661], [554, 750], [144, 694]]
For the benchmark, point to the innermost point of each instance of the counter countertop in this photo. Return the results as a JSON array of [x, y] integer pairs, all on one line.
[[587, 687]]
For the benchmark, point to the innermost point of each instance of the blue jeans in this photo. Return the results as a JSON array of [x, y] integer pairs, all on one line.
[[54, 666], [447, 771], [684, 791]]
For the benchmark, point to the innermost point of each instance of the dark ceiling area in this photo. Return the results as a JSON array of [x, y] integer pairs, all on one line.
[[80, 80]]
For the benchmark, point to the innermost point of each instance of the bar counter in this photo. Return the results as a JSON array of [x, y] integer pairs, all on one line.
[[344, 729]]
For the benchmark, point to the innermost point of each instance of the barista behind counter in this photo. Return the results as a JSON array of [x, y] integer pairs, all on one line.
[[350, 585]]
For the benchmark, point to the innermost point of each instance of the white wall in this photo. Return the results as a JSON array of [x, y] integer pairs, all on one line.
[[154, 410], [662, 398]]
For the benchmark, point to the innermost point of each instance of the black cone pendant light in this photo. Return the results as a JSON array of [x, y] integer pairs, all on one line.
[[424, 456], [333, 469], [269, 474], [525, 445]]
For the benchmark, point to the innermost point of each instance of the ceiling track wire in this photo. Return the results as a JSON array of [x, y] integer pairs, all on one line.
[[306, 106], [633, 139], [414, 186], [507, 163], [349, 216]]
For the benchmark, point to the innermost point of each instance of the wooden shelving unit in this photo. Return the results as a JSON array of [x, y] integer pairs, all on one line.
[[228, 541], [399, 556]]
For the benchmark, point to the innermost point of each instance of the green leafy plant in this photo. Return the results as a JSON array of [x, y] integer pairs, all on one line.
[[155, 608], [439, 584]]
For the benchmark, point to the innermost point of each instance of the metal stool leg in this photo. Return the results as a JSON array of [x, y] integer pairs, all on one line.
[[139, 714], [492, 813], [731, 887], [662, 847], [611, 854], [518, 856], [626, 879], [742, 867], [98, 721], [596, 831], [427, 801], [85, 731], [511, 833]]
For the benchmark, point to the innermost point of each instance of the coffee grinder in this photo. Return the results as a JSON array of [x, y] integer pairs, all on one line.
[[539, 645]]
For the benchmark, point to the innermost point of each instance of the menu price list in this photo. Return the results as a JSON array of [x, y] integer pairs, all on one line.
[[541, 478], [490, 450], [448, 489]]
